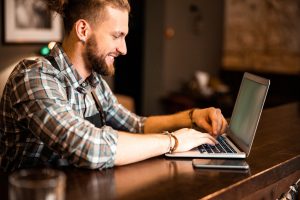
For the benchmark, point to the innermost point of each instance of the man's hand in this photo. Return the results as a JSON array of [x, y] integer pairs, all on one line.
[[189, 138], [210, 119]]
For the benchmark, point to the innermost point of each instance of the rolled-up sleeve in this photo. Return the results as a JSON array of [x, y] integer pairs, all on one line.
[[117, 115]]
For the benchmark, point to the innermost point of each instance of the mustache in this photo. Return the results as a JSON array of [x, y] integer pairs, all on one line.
[[114, 54]]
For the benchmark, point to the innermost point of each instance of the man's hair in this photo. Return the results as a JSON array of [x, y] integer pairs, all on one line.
[[90, 10]]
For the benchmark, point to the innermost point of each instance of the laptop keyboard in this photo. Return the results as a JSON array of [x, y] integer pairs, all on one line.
[[222, 147]]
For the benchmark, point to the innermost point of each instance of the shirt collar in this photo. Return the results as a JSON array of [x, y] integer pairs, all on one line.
[[68, 69]]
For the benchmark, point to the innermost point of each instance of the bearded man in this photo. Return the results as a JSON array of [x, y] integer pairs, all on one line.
[[59, 108]]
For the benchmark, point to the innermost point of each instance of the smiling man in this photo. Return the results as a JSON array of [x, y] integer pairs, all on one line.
[[59, 108]]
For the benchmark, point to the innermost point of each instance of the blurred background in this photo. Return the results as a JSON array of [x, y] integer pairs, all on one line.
[[181, 53]]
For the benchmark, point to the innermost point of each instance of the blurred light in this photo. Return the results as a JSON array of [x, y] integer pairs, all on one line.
[[44, 51]]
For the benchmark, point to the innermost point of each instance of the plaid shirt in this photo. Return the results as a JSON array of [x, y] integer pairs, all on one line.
[[43, 112]]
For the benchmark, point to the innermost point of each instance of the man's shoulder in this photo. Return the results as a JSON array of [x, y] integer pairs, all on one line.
[[33, 65]]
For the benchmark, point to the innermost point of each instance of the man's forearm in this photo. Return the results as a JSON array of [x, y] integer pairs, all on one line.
[[158, 124], [136, 147]]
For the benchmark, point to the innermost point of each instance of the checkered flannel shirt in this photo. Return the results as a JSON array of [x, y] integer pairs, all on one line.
[[43, 111]]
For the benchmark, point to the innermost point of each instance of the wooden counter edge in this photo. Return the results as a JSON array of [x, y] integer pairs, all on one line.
[[259, 181]]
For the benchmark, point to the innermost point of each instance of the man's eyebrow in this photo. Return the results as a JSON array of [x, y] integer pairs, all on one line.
[[120, 33]]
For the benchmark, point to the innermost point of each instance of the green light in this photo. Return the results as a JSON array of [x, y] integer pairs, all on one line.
[[44, 51]]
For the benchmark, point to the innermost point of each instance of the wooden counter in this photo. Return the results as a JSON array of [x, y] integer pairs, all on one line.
[[274, 165]]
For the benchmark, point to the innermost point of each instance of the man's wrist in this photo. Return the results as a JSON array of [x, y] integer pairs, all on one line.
[[174, 147], [193, 123], [173, 142]]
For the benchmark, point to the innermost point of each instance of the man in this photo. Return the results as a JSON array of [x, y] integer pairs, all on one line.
[[59, 107]]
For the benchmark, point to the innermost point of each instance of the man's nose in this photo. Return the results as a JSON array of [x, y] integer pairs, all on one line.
[[122, 48]]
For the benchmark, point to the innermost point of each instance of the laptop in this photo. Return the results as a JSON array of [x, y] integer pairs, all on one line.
[[237, 142]]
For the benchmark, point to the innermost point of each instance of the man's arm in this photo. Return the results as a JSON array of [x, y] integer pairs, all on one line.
[[209, 119], [136, 147]]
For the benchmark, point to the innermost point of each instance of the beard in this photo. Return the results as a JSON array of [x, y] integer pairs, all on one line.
[[97, 62]]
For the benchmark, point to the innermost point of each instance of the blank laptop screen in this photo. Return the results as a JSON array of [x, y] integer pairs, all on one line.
[[247, 110]]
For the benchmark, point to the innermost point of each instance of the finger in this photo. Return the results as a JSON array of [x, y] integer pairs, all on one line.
[[214, 140], [207, 126], [211, 138], [220, 121], [224, 125], [216, 121], [209, 141]]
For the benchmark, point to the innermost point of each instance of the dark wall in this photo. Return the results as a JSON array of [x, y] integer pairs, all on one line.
[[283, 89], [181, 38], [129, 68]]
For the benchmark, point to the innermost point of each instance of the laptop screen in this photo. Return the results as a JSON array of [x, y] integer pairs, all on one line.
[[247, 110]]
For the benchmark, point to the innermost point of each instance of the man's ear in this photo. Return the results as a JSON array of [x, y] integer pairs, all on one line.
[[82, 29]]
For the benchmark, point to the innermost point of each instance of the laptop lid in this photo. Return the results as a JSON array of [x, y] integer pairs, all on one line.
[[247, 110]]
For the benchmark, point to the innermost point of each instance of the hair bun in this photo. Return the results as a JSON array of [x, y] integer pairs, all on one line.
[[56, 5]]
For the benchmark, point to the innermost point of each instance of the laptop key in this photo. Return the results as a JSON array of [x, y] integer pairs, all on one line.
[[207, 148], [226, 146], [202, 149], [214, 149], [220, 148], [229, 148]]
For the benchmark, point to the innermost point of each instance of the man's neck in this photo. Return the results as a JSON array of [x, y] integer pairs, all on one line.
[[74, 51]]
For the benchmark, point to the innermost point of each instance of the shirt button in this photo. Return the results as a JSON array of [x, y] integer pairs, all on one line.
[[84, 84]]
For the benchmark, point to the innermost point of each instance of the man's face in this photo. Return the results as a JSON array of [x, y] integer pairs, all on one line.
[[107, 41]]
